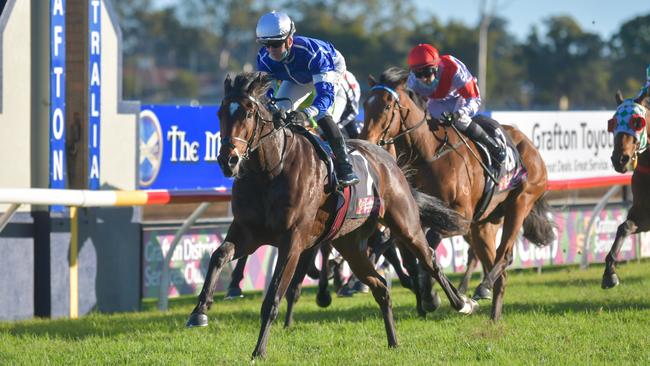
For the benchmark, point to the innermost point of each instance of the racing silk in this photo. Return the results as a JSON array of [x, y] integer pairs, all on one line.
[[453, 90], [309, 61], [353, 96]]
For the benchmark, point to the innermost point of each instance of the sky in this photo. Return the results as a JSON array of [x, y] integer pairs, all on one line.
[[595, 16]]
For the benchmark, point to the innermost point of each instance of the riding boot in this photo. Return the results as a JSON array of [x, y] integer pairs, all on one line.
[[345, 175], [476, 133]]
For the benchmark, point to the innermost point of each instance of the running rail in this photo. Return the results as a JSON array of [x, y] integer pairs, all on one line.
[[87, 198]]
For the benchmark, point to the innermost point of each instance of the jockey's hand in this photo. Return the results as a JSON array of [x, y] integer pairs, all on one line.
[[297, 117], [447, 118]]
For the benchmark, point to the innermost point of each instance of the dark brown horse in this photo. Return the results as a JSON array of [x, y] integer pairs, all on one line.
[[279, 197], [446, 168], [630, 128]]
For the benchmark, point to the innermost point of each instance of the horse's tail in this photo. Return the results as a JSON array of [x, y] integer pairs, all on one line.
[[538, 227], [437, 216]]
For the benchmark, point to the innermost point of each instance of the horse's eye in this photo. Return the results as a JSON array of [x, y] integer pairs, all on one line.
[[249, 114], [387, 107]]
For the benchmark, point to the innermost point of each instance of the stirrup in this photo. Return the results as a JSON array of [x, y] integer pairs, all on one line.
[[349, 180]]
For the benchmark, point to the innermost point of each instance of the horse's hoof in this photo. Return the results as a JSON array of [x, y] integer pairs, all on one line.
[[610, 280], [431, 305], [470, 306], [234, 293], [324, 299], [482, 293], [345, 291], [197, 320], [406, 283]]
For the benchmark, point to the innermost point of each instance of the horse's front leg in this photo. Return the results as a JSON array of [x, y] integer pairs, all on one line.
[[293, 292], [285, 267], [237, 243], [323, 297], [610, 278]]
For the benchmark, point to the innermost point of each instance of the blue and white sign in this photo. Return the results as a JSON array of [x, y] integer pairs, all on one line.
[[179, 147], [94, 91], [57, 97]]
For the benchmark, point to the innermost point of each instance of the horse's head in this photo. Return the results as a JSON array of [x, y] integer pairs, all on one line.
[[630, 131], [383, 113], [240, 118]]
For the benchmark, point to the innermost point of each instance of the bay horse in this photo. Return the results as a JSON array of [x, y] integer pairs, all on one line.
[[446, 168], [630, 128], [279, 197]]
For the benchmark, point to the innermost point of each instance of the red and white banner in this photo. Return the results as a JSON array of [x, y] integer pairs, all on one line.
[[575, 146]]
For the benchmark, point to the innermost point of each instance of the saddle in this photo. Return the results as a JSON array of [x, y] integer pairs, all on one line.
[[358, 201], [510, 175]]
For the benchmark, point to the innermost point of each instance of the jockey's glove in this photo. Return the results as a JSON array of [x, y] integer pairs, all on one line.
[[297, 117], [448, 118]]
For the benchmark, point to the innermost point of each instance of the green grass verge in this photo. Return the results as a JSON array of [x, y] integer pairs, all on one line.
[[559, 317]]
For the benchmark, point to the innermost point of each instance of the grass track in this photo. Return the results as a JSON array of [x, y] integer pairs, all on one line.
[[559, 317]]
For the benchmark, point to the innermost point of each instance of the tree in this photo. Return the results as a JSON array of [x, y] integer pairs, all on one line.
[[630, 55]]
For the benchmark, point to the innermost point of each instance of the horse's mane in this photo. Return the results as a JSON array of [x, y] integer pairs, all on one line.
[[250, 83], [393, 77]]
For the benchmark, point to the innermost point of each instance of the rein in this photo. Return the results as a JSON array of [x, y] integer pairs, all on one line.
[[382, 140]]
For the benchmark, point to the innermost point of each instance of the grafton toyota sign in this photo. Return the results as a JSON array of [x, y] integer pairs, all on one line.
[[575, 145]]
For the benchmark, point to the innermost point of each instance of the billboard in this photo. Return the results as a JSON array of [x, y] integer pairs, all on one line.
[[575, 144], [192, 255], [179, 147]]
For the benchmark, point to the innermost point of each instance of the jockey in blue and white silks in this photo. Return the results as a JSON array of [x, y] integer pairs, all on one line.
[[304, 65]]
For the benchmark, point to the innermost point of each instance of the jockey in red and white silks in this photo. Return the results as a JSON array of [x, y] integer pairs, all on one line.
[[452, 92]]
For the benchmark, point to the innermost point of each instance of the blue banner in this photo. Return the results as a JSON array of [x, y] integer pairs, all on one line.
[[94, 91], [57, 97], [179, 147]]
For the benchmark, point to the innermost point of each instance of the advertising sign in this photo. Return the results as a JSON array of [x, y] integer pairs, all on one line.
[[57, 97], [179, 147], [575, 145], [94, 91], [192, 255]]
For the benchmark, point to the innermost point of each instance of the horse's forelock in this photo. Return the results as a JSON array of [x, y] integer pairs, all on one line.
[[251, 83], [393, 77]]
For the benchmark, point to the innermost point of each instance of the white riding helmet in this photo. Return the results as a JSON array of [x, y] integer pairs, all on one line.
[[274, 26]]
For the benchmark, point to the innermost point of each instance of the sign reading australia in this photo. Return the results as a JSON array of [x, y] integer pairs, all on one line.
[[179, 147]]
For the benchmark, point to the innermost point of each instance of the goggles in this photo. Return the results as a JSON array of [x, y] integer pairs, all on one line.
[[424, 73], [271, 43]]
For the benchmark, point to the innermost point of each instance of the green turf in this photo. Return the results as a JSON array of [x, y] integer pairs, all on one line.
[[558, 317]]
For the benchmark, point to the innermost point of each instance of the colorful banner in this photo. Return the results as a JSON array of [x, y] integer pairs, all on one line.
[[57, 97], [179, 147], [94, 91], [192, 255]]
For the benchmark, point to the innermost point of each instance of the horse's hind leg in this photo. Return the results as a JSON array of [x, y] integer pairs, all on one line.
[[234, 290], [365, 271], [238, 243], [635, 223], [404, 223], [323, 297], [293, 292]]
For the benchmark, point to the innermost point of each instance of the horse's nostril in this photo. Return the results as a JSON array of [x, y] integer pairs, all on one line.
[[233, 160], [624, 159]]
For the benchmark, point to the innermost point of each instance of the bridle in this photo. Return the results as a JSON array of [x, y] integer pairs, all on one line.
[[260, 121], [384, 133]]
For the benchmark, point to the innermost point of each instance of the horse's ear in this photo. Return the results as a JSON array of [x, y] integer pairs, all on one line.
[[619, 97], [253, 84], [371, 80], [642, 96], [227, 84]]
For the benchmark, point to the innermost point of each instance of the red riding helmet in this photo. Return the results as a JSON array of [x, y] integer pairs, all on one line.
[[423, 55]]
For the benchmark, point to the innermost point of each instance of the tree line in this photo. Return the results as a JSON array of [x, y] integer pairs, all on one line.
[[182, 53]]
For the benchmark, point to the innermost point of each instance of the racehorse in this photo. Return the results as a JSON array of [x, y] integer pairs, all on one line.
[[630, 128], [448, 168], [279, 197]]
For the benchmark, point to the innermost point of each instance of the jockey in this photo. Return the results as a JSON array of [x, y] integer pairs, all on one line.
[[452, 91], [352, 90], [645, 88], [303, 64]]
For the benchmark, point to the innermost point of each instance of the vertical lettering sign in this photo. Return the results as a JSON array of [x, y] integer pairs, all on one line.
[[94, 91], [57, 97]]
